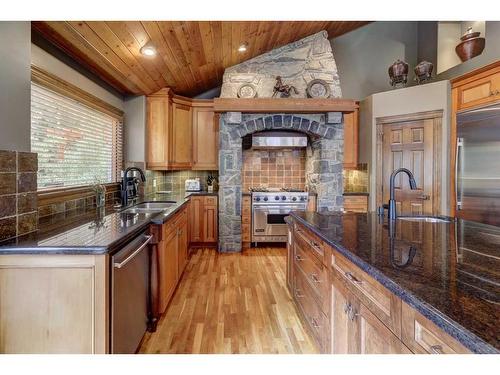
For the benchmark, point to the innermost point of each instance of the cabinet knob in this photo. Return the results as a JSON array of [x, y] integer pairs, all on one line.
[[314, 323], [436, 349]]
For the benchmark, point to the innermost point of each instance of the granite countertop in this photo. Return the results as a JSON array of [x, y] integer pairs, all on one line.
[[451, 276], [93, 231]]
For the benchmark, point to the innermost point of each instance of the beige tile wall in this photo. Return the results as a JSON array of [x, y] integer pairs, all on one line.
[[356, 180], [274, 169]]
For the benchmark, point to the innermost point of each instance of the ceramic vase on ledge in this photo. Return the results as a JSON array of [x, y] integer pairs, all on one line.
[[471, 45], [398, 74]]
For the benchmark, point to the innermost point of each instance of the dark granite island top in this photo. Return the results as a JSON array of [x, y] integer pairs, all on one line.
[[92, 231], [452, 275]]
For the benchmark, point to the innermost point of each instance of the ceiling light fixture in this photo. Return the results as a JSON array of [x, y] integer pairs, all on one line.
[[243, 47], [148, 50]]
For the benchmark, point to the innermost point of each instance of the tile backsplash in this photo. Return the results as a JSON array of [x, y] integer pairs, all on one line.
[[18, 197], [174, 180], [356, 180], [274, 169]]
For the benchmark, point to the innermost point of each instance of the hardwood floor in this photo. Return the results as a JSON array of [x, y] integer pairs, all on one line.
[[232, 303]]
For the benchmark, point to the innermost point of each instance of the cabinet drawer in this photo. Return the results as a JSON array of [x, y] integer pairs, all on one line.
[[246, 201], [385, 305], [311, 311], [245, 219], [423, 336], [316, 246], [246, 211], [210, 201], [315, 273]]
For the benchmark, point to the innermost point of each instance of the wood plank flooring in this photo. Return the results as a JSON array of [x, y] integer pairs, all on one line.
[[232, 303]]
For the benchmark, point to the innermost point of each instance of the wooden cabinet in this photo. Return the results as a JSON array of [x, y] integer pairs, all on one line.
[[246, 220], [181, 141], [205, 138], [351, 139], [203, 220], [183, 242], [347, 311], [181, 133], [480, 88], [356, 203]]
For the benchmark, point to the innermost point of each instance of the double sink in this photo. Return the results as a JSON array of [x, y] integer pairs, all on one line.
[[149, 207]]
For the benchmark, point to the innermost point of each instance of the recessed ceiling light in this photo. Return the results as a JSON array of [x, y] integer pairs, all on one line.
[[243, 47], [148, 50]]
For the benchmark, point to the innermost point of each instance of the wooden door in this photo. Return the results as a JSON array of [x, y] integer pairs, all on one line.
[[181, 137], [168, 262], [410, 145], [351, 140], [205, 139], [370, 336], [157, 125], [340, 341], [196, 219], [210, 223]]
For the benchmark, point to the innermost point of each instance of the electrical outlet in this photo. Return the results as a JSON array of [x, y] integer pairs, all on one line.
[[154, 182]]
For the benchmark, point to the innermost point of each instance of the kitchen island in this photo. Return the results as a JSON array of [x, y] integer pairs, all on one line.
[[421, 287], [56, 284]]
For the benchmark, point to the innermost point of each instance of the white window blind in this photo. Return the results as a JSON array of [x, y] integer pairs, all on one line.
[[76, 144]]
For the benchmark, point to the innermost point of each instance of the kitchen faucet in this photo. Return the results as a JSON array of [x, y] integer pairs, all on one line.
[[392, 200], [123, 187]]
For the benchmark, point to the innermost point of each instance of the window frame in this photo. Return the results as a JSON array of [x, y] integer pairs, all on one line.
[[51, 82]]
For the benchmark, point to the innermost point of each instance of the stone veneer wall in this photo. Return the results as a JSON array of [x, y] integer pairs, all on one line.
[[297, 63], [323, 165], [18, 197]]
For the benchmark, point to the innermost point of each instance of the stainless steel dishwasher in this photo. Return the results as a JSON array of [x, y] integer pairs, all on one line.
[[130, 288]]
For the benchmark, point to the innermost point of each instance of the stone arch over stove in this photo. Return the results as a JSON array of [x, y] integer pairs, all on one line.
[[323, 166]]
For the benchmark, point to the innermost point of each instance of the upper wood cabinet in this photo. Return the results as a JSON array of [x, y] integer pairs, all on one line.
[[478, 88], [205, 138], [351, 140], [181, 133]]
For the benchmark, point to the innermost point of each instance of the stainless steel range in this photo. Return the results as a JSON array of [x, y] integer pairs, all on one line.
[[269, 209]]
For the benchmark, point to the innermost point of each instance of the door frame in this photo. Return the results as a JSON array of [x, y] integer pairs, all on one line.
[[437, 117]]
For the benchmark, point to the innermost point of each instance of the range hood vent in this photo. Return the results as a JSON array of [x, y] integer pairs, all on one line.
[[278, 139]]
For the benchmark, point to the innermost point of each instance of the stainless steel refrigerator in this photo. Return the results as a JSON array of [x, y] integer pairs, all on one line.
[[478, 165]]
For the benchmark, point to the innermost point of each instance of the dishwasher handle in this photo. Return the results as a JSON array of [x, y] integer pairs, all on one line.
[[121, 264]]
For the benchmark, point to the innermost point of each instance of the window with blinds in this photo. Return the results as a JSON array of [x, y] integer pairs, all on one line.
[[76, 144]]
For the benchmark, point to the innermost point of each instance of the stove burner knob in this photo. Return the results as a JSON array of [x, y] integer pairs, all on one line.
[[276, 198], [266, 199], [283, 198], [302, 198], [257, 199], [294, 199]]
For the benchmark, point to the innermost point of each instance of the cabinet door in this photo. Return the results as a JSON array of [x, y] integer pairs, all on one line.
[[340, 341], [181, 137], [158, 120], [168, 260], [196, 219], [205, 139], [182, 246], [351, 140], [479, 92], [210, 224], [370, 335]]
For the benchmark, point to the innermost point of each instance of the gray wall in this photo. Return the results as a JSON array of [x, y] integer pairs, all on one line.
[[135, 129], [364, 55], [427, 48], [15, 77]]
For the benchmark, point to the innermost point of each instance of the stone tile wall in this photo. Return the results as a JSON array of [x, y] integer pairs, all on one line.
[[18, 197], [274, 169]]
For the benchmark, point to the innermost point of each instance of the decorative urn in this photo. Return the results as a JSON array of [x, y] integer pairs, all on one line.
[[471, 45], [423, 71], [398, 73]]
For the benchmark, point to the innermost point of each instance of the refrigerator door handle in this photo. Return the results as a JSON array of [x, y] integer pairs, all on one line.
[[458, 194]]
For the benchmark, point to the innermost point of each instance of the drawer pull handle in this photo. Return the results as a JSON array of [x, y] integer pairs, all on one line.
[[315, 244], [347, 307], [352, 314], [314, 323], [298, 258], [353, 278], [297, 293], [315, 278], [436, 349]]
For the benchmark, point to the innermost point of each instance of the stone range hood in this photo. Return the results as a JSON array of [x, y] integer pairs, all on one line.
[[320, 119]]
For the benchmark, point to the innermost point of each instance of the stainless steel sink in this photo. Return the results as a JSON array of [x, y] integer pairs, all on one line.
[[426, 219], [150, 207]]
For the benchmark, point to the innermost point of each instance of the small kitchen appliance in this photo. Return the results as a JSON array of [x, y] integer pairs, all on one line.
[[192, 184]]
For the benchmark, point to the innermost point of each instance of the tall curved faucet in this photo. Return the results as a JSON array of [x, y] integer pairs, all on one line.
[[392, 200], [124, 191]]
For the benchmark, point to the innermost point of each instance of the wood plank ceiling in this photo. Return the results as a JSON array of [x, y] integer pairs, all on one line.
[[192, 55]]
